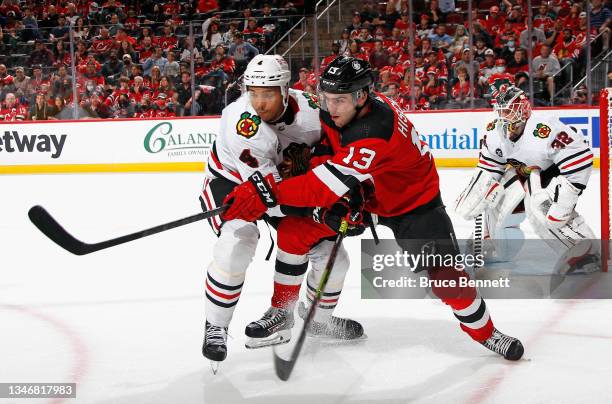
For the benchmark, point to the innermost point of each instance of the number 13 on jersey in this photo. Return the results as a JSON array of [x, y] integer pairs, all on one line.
[[363, 160]]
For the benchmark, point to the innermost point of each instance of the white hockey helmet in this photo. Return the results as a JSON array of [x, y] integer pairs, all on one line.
[[269, 71]]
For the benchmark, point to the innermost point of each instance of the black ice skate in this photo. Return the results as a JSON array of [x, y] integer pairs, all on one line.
[[215, 345], [509, 347], [336, 327], [273, 328]]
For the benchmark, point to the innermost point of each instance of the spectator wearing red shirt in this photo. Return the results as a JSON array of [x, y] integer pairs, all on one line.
[[253, 32], [403, 23], [494, 21], [379, 57], [573, 18], [435, 89], [123, 36], [516, 18], [462, 90], [328, 59], [82, 67], [11, 110], [6, 80], [103, 43], [507, 33], [566, 49], [302, 81], [393, 92], [91, 74], [139, 91], [161, 107], [356, 51], [171, 7], [207, 6], [145, 49], [168, 40]]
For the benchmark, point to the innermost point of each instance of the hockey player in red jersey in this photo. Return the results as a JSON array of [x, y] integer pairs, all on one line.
[[257, 131], [374, 142]]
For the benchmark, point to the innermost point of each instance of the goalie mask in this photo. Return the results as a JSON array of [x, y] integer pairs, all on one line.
[[513, 109]]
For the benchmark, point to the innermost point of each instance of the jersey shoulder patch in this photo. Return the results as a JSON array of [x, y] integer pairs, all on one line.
[[377, 124], [542, 131], [313, 100], [491, 125], [248, 125]]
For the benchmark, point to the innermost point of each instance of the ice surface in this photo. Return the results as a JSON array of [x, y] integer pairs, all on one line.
[[126, 323]]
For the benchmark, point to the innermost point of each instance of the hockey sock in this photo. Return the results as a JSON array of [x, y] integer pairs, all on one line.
[[468, 307], [288, 276]]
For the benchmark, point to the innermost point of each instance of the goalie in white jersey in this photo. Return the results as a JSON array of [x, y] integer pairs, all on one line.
[[549, 167], [257, 131]]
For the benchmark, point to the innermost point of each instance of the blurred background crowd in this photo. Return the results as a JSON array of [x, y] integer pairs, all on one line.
[[146, 59]]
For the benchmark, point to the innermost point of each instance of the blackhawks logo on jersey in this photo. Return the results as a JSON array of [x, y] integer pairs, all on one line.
[[542, 131], [313, 100], [491, 125], [248, 125]]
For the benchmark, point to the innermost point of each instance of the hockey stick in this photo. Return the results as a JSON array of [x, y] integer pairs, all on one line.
[[52, 229], [285, 367]]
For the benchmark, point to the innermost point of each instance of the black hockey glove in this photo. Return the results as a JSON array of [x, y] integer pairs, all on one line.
[[332, 217]]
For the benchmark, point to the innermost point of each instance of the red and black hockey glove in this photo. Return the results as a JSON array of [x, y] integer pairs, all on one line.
[[251, 199], [332, 217]]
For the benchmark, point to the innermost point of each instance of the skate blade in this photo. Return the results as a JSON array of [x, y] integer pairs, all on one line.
[[333, 338], [214, 367], [278, 338]]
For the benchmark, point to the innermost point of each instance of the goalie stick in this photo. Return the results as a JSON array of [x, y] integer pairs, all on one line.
[[282, 366], [478, 237], [52, 229]]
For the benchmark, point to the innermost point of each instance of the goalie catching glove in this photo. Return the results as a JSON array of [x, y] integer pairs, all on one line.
[[482, 192]]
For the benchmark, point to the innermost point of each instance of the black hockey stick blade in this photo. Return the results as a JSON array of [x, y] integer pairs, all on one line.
[[54, 231], [282, 366]]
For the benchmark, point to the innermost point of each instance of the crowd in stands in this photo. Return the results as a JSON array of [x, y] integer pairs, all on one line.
[[132, 58], [448, 72]]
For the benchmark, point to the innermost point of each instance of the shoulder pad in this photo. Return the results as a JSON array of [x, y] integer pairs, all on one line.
[[377, 124]]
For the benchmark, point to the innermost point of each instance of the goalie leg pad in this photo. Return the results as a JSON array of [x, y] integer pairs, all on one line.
[[513, 195], [482, 191]]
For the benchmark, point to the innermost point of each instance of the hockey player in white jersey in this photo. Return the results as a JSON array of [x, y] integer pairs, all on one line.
[[552, 159], [266, 120]]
